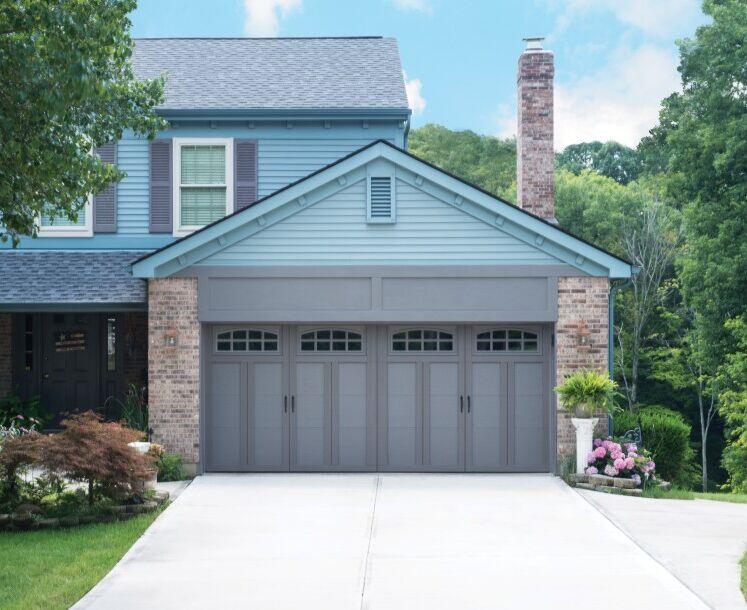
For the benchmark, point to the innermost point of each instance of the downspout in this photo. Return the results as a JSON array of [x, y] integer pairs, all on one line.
[[611, 340]]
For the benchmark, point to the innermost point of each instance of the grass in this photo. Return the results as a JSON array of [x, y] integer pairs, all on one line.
[[55, 568], [744, 575], [685, 494]]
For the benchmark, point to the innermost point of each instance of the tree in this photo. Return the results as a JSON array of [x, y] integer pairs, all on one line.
[[733, 407], [91, 450], [610, 159], [703, 132], [650, 244], [486, 161], [66, 86]]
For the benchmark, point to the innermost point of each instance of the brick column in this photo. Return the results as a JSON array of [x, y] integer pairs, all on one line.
[[174, 365], [581, 342], [6, 365]]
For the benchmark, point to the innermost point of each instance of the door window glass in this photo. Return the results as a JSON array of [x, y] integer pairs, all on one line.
[[246, 340], [331, 340], [422, 340], [511, 340]]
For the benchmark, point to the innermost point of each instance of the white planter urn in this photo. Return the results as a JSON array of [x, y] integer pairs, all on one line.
[[140, 446], [584, 440]]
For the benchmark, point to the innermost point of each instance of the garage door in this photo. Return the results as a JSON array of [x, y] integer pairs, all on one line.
[[390, 398]]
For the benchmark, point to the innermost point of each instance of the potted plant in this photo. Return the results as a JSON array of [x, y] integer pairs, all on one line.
[[583, 394]]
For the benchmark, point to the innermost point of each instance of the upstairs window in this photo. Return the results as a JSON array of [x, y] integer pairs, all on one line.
[[59, 225], [511, 340], [381, 199], [203, 191]]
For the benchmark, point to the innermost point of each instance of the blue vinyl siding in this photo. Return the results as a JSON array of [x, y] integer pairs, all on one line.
[[335, 231], [286, 154]]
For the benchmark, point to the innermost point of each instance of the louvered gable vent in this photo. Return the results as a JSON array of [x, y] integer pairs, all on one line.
[[381, 199]]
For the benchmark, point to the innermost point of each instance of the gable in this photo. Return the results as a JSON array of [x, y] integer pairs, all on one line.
[[480, 227], [427, 231]]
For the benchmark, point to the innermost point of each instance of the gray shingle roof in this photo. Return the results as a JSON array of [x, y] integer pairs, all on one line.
[[274, 73], [62, 277]]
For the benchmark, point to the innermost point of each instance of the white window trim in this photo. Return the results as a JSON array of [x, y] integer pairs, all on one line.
[[85, 230], [179, 229]]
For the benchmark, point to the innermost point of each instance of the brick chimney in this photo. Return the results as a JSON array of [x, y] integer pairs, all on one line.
[[535, 157]]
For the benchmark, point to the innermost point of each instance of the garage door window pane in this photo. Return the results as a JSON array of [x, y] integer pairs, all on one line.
[[235, 341], [426, 340], [342, 341], [496, 341]]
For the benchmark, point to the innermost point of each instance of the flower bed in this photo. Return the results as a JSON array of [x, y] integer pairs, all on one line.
[[623, 460]]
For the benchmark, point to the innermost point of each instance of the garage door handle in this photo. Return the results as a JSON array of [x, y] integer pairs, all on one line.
[[293, 404], [461, 404], [285, 404], [469, 404]]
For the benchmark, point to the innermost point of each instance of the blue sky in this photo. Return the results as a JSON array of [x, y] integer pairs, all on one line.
[[615, 59]]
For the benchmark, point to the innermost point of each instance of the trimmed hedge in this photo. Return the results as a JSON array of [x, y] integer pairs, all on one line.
[[666, 435]]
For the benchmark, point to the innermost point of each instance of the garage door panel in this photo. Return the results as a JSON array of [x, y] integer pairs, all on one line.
[[529, 417], [224, 447], [403, 412], [267, 444], [444, 428], [352, 412], [484, 434], [311, 413]]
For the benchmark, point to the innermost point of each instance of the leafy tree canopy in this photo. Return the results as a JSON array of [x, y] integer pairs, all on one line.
[[66, 86], [610, 159]]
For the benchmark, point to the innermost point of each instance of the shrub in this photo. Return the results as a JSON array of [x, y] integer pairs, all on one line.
[[97, 452], [587, 392], [623, 460], [16, 453], [169, 464], [666, 435], [26, 413], [133, 408]]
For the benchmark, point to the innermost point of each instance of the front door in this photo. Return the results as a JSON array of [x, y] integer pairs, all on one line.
[[70, 363]]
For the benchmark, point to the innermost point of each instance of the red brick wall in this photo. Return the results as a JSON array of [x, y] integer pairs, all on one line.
[[174, 365], [581, 341], [535, 156], [6, 367]]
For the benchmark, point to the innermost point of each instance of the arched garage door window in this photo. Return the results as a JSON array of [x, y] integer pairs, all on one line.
[[507, 340], [243, 340], [331, 340], [422, 340]]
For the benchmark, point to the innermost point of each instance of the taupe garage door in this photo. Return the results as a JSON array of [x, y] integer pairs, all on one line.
[[390, 398]]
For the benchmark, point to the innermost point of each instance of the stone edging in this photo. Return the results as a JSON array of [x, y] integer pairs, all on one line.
[[29, 521], [601, 482]]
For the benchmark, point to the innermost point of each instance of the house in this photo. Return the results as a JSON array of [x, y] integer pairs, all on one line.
[[299, 291]]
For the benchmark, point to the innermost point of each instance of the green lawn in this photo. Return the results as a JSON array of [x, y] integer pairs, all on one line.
[[686, 494], [55, 568], [744, 574]]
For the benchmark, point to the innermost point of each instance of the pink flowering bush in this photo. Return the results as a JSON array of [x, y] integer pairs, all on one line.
[[620, 460]]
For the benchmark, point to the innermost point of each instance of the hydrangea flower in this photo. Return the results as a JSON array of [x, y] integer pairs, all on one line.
[[600, 452], [629, 463], [636, 478], [597, 442], [591, 470], [610, 470], [591, 457], [619, 464]]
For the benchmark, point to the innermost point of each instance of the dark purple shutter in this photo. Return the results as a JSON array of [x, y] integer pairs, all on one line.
[[245, 173], [160, 186], [105, 202]]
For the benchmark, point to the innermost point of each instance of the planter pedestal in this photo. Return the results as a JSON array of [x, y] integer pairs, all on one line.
[[584, 440]]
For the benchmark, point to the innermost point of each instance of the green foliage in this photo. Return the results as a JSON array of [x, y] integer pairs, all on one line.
[[67, 87], [609, 159], [733, 407], [586, 393], [11, 407], [486, 161], [133, 408], [170, 467], [666, 435]]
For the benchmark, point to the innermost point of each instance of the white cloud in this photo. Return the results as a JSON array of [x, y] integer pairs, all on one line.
[[416, 6], [415, 98], [263, 16], [662, 18], [620, 101]]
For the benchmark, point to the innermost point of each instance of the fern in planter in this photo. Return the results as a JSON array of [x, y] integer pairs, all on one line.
[[585, 393]]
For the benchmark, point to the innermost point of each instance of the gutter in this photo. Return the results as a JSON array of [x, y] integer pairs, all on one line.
[[611, 324]]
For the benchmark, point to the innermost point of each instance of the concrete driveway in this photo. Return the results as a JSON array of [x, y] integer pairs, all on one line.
[[385, 542]]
